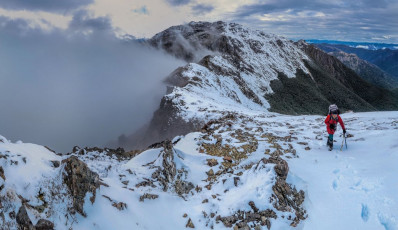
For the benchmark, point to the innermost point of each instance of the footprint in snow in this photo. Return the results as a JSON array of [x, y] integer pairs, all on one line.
[[365, 212], [334, 185]]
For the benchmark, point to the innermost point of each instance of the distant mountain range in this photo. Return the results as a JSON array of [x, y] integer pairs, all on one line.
[[385, 59], [362, 45], [367, 70]]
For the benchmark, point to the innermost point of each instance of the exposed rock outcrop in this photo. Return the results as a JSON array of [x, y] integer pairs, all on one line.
[[286, 198], [119, 153], [166, 175], [80, 180]]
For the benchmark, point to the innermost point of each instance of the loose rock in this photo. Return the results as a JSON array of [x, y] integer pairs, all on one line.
[[43, 224], [212, 162], [148, 196], [190, 224]]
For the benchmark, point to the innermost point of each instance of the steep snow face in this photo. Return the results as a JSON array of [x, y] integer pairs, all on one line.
[[237, 72]]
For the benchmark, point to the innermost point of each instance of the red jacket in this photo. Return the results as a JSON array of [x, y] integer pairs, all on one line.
[[329, 120]]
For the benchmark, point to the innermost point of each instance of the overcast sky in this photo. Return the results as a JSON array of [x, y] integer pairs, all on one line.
[[359, 20], [65, 78]]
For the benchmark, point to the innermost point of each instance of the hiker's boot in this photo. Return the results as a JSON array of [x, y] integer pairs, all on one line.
[[330, 144]]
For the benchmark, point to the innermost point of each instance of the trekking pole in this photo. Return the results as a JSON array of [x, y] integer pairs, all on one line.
[[342, 144]]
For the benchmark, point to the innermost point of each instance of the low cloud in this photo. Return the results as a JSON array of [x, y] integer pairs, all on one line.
[[80, 87]]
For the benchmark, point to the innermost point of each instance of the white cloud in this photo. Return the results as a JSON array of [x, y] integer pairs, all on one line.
[[38, 19]]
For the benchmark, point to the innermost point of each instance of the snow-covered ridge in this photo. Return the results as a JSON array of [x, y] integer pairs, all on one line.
[[235, 74], [189, 177], [232, 173]]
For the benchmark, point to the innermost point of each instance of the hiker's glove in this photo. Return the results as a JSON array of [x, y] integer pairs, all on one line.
[[332, 126], [344, 131]]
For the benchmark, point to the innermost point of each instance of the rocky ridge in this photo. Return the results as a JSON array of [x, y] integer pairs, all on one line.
[[366, 70], [233, 68], [210, 165]]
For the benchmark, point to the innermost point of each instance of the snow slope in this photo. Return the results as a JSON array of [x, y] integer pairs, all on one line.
[[351, 189], [355, 188]]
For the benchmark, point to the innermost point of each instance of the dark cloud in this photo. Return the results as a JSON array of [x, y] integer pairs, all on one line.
[[178, 2], [282, 5], [62, 6], [66, 88], [341, 20], [82, 20], [202, 9]]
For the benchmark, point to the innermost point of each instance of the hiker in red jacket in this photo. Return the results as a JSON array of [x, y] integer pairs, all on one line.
[[331, 123]]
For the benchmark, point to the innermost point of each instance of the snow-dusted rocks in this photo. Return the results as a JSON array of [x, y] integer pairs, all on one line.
[[40, 189], [80, 180], [251, 186], [31, 188]]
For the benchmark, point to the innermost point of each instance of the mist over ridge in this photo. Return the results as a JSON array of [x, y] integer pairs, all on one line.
[[82, 86]]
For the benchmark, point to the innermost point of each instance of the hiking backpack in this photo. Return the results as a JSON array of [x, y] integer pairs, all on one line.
[[333, 108]]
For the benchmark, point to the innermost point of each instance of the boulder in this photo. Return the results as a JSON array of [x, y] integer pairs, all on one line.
[[43, 224], [23, 220]]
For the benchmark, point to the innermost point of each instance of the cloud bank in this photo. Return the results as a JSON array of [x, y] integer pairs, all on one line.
[[81, 86]]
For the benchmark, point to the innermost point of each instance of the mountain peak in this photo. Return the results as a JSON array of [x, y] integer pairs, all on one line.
[[234, 69], [229, 61]]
